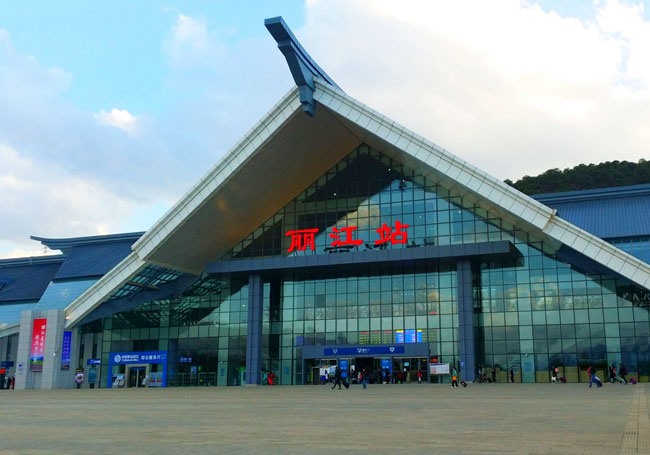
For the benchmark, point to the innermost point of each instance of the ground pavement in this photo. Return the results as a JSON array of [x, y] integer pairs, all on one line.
[[409, 418]]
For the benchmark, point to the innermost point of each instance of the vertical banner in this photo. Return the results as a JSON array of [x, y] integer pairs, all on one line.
[[66, 350], [38, 345]]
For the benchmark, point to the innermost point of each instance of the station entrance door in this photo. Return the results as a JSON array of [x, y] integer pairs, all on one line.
[[136, 375]]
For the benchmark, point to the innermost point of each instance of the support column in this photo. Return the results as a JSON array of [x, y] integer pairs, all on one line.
[[465, 320], [254, 334], [51, 376]]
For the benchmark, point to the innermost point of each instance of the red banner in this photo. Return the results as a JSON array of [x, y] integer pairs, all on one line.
[[38, 344]]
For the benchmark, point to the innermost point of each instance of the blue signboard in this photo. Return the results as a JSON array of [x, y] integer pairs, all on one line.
[[185, 360], [91, 362], [132, 358], [364, 350], [343, 365], [66, 350], [127, 358], [7, 363], [399, 336]]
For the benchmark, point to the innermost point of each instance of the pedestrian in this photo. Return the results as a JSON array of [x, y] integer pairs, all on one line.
[[364, 377], [13, 382], [419, 377], [270, 378], [512, 374], [494, 375], [554, 372], [612, 373], [337, 379], [591, 371], [622, 372], [454, 378], [79, 378]]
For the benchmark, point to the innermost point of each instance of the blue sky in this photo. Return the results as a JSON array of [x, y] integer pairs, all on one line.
[[113, 50], [110, 111]]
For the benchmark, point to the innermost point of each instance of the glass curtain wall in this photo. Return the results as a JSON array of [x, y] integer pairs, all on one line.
[[530, 314]]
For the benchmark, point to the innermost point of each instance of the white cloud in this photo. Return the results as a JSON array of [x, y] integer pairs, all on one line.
[[121, 119], [505, 85], [189, 44]]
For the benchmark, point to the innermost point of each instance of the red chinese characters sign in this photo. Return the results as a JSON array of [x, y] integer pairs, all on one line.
[[38, 344], [344, 237]]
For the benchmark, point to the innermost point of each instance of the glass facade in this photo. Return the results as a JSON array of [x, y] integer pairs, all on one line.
[[530, 313]]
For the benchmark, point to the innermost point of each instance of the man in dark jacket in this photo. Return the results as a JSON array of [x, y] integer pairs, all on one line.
[[337, 379]]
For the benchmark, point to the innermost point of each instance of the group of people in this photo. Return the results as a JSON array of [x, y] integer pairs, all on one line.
[[6, 382], [481, 376]]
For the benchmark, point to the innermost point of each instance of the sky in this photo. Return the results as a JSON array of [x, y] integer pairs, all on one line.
[[111, 111]]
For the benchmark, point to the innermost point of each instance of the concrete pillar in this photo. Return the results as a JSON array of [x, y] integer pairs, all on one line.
[[465, 320], [52, 376], [11, 354], [254, 334], [87, 339], [24, 377], [3, 348]]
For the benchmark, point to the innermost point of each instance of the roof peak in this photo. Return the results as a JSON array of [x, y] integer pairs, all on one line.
[[303, 68]]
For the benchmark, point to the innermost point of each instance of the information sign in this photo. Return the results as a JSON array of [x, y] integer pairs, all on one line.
[[364, 350], [439, 368]]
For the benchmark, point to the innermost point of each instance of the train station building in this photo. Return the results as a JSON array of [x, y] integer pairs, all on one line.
[[331, 235]]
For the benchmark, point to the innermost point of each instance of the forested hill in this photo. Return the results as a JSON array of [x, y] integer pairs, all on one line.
[[585, 177]]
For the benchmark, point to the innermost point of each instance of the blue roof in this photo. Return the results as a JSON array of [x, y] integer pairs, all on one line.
[[24, 280], [607, 212], [93, 260]]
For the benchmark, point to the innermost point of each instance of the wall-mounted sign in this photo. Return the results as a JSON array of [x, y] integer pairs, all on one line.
[[364, 350], [38, 344], [304, 238], [66, 350], [125, 358], [90, 362]]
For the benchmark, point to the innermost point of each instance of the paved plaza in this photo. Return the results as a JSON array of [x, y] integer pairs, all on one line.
[[410, 418]]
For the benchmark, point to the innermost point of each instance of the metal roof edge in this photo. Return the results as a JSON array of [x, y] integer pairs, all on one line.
[[253, 140], [596, 193], [32, 260], [67, 243], [512, 201]]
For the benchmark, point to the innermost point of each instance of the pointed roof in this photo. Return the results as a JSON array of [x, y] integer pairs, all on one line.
[[285, 152]]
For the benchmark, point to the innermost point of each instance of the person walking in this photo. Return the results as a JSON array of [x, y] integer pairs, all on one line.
[[554, 372], [337, 379], [79, 378], [454, 378], [612, 373], [512, 374], [419, 377], [622, 372], [494, 375], [364, 377], [591, 371]]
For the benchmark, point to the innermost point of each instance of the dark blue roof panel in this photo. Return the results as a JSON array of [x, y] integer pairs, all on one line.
[[93, 260], [26, 280], [607, 212]]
